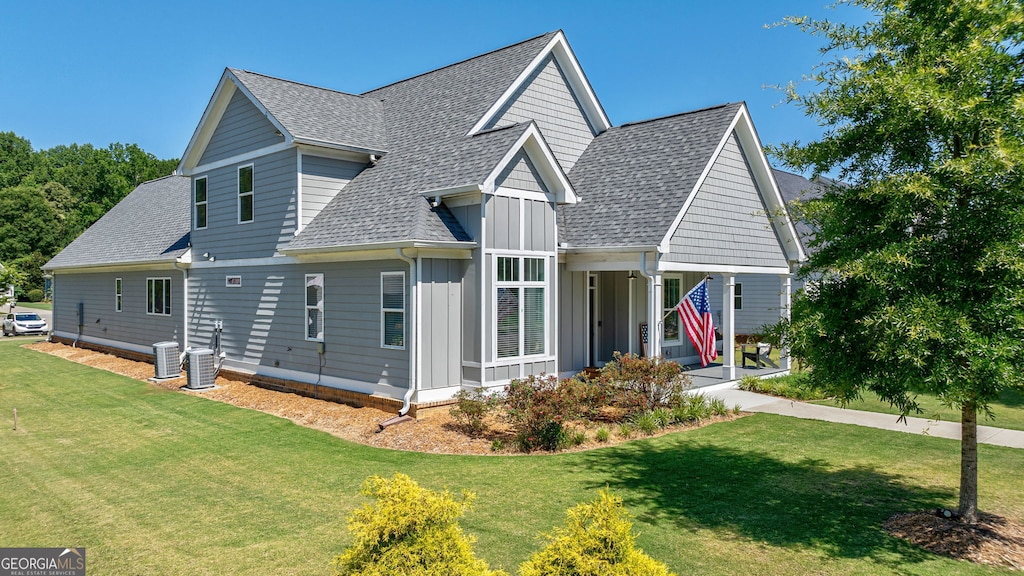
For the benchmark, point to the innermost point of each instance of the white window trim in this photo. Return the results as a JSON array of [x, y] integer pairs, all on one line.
[[522, 283], [664, 311], [118, 294], [320, 306], [195, 203], [229, 284], [239, 194], [383, 311], [167, 296]]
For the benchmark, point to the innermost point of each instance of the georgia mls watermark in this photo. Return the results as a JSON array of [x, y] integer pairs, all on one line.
[[42, 561]]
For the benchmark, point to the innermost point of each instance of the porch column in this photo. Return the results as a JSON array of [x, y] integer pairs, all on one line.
[[728, 327], [785, 303], [631, 331]]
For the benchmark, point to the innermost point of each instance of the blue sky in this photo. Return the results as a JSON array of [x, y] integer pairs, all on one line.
[[143, 72]]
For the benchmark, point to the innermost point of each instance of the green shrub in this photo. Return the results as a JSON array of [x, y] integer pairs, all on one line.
[[409, 530], [717, 407], [497, 445], [602, 434], [663, 416], [471, 410], [642, 384], [645, 422], [538, 408], [34, 295], [795, 386], [596, 540]]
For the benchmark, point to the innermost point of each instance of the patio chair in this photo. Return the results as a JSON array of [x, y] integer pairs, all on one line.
[[759, 355]]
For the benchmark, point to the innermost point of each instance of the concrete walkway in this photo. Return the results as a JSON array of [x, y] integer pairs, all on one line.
[[752, 402]]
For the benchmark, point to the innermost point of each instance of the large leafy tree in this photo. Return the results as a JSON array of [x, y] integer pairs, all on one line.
[[918, 274]]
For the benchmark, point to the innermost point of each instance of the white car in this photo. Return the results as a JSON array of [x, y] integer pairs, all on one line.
[[18, 323]]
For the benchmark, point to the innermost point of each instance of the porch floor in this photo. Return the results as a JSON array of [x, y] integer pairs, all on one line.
[[711, 375]]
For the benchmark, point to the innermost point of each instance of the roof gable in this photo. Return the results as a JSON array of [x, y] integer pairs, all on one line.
[[557, 48]]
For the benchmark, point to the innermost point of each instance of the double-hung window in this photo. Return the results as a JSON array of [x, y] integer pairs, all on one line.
[[245, 194], [521, 307], [117, 294], [671, 294], [158, 296], [392, 310], [199, 198], [315, 307]]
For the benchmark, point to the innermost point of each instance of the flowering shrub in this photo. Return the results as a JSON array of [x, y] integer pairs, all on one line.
[[472, 408], [639, 385]]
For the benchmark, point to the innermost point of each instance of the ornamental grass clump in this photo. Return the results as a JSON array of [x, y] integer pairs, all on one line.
[[411, 531], [596, 540]]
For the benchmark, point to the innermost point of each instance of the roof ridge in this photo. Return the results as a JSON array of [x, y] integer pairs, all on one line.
[[172, 175], [667, 116], [488, 53], [298, 83]]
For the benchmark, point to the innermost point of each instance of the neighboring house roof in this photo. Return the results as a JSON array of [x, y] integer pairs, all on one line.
[[317, 115], [151, 224], [796, 187], [633, 179], [427, 119]]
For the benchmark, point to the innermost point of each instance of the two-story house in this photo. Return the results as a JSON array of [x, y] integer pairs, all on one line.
[[461, 228]]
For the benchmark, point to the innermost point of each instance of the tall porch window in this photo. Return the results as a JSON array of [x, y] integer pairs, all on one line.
[[315, 307], [671, 294], [520, 306]]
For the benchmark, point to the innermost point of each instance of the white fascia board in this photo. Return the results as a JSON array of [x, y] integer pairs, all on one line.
[[577, 82], [665, 242], [452, 191], [333, 153], [378, 249], [609, 249], [338, 146], [211, 117], [165, 264], [766, 185], [245, 157], [543, 159], [664, 266], [604, 261]]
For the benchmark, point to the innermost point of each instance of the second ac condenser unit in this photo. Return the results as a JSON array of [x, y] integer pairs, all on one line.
[[165, 360], [201, 370]]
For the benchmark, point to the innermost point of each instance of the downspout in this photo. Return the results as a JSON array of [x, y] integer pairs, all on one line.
[[414, 349], [652, 326], [184, 311]]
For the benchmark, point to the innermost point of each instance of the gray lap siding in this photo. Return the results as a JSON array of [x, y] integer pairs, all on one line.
[[264, 320], [132, 325]]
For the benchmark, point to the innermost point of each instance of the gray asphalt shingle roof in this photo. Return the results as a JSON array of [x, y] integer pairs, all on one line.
[[319, 114], [633, 179], [796, 187], [151, 224], [427, 118]]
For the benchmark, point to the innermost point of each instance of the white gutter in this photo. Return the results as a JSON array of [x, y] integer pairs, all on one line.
[[399, 244], [414, 349], [184, 311]]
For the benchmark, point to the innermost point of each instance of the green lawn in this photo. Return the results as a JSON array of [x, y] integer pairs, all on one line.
[[1008, 412], [159, 482], [34, 305]]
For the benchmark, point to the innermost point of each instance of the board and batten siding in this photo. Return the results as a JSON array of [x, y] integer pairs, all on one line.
[[572, 310], [545, 97], [520, 224], [322, 179], [264, 320], [242, 128], [132, 325], [442, 323], [274, 209], [727, 223]]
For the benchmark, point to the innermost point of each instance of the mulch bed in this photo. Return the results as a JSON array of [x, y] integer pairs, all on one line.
[[993, 540]]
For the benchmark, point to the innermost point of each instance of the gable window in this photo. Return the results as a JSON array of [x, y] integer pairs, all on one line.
[[671, 294], [392, 309], [737, 300], [245, 194], [199, 196], [314, 307], [520, 306], [117, 294], [158, 296]]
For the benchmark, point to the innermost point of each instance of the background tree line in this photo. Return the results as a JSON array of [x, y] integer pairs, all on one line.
[[48, 197]]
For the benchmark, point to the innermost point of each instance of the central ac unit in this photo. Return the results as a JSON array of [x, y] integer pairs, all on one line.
[[201, 371], [165, 360]]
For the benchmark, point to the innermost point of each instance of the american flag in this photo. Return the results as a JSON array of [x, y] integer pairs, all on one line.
[[695, 313]]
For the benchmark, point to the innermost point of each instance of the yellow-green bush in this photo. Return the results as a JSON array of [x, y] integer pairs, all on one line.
[[409, 531], [597, 540]]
